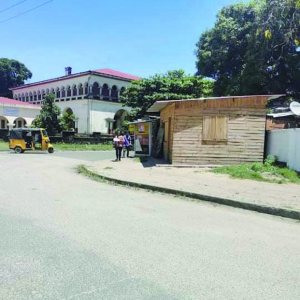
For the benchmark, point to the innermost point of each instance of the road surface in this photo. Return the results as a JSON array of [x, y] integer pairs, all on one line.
[[64, 236]]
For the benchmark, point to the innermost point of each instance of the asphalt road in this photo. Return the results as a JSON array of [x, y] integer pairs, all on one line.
[[86, 155], [64, 236]]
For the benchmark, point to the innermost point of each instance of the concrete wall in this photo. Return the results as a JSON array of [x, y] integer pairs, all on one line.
[[101, 111], [80, 109], [92, 115], [285, 145], [11, 113]]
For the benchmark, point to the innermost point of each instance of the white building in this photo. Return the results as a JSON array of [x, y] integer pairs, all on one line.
[[14, 113], [93, 96]]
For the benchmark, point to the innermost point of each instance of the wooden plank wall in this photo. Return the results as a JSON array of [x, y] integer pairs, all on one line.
[[165, 114], [246, 131]]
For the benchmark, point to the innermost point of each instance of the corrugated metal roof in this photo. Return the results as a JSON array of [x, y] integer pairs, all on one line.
[[159, 105], [281, 115]]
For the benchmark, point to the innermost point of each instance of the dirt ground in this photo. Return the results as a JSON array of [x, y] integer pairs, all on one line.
[[202, 181]]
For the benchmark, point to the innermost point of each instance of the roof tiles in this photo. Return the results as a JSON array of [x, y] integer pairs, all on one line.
[[117, 74], [16, 102]]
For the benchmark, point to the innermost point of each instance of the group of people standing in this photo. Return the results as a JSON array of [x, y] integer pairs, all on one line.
[[122, 142]]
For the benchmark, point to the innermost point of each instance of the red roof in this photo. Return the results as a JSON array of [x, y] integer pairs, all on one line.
[[117, 74], [16, 102]]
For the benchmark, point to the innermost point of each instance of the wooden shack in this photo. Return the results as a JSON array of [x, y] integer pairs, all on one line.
[[221, 131], [282, 121]]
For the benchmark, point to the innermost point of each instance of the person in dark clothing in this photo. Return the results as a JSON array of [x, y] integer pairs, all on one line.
[[118, 144], [127, 144], [28, 140]]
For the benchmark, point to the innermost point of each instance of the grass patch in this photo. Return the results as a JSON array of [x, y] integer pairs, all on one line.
[[4, 146], [70, 147], [267, 172], [83, 147], [109, 168], [81, 169]]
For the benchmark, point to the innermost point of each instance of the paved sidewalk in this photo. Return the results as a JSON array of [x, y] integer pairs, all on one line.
[[202, 181]]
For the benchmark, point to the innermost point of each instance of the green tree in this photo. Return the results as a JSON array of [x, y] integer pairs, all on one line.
[[49, 118], [252, 48], [12, 74], [222, 51], [141, 94], [279, 29], [67, 121]]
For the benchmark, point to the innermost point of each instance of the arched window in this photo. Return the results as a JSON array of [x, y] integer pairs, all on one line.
[[69, 92], [39, 95], [80, 90], [63, 92], [23, 97], [34, 96], [74, 90], [70, 123], [122, 90], [96, 89], [105, 91], [26, 97], [47, 91], [43, 94], [114, 92], [86, 89], [3, 123], [30, 96], [57, 93], [69, 111], [19, 123]]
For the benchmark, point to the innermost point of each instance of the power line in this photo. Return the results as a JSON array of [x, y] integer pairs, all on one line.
[[1, 11], [26, 12]]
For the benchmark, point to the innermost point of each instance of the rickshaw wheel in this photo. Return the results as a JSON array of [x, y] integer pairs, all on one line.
[[18, 150], [50, 150]]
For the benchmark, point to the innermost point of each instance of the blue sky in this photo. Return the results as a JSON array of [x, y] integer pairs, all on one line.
[[137, 37]]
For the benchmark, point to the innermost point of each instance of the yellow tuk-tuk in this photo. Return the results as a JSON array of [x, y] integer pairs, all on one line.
[[26, 139]]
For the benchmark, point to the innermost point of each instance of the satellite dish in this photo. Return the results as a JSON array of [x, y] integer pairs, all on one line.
[[295, 108]]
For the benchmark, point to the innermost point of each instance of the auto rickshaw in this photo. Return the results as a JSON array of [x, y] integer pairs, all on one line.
[[29, 139]]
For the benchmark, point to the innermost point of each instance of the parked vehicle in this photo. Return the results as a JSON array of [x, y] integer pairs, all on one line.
[[29, 139]]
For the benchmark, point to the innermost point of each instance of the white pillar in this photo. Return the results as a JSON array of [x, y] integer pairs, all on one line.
[[76, 124], [100, 93], [119, 91]]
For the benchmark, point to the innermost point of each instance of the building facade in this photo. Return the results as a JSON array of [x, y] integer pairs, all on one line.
[[93, 96], [16, 114], [214, 131]]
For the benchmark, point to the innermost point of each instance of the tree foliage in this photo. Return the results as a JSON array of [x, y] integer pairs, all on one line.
[[67, 121], [49, 117], [12, 74], [252, 48], [173, 85], [279, 24]]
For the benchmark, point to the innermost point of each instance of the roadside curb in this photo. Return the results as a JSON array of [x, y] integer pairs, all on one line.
[[281, 212]]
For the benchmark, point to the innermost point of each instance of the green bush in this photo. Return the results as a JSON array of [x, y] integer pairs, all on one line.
[[262, 172], [270, 161]]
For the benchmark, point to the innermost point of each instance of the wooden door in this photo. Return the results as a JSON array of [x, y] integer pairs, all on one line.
[[169, 137]]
